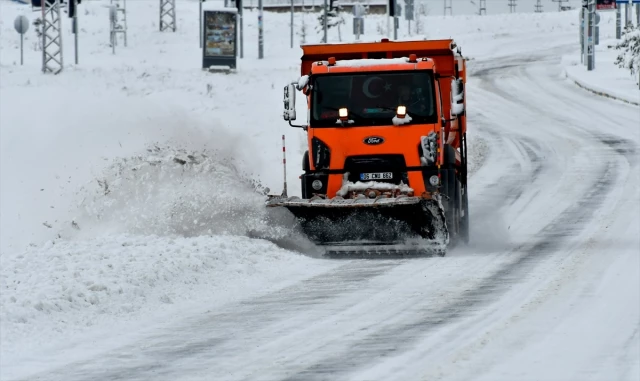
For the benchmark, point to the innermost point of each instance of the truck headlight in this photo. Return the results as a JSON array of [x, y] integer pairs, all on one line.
[[321, 154]]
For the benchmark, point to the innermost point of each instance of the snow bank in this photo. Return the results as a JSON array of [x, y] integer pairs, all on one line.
[[607, 79], [64, 288]]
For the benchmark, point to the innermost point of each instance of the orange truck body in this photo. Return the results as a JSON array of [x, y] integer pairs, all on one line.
[[439, 56], [386, 129]]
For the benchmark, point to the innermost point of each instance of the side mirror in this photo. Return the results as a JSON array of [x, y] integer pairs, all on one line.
[[457, 97], [289, 103]]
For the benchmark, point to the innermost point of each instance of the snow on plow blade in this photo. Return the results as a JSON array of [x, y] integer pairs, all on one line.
[[361, 226]]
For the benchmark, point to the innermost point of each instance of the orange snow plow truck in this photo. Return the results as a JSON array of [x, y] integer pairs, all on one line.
[[386, 166]]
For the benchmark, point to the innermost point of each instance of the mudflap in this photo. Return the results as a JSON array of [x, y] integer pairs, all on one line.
[[388, 227]]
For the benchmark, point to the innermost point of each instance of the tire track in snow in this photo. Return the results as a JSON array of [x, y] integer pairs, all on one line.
[[160, 354], [399, 338]]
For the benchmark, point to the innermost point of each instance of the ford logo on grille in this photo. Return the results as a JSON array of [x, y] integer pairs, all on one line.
[[373, 140]]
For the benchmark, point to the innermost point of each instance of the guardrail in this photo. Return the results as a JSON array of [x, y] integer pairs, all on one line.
[[306, 3], [372, 6]]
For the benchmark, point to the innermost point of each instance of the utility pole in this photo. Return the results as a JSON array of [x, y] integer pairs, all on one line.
[[260, 32], [74, 27], [240, 8], [590, 31], [538, 6], [167, 15], [395, 27], [585, 30], [618, 22], [291, 24], [448, 5], [583, 33], [408, 14], [324, 22], [512, 6], [389, 13], [392, 5], [51, 37]]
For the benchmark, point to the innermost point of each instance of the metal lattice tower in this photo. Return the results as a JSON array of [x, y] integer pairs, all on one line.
[[538, 6], [512, 6], [167, 15], [560, 2], [448, 5], [482, 7], [122, 26], [51, 37], [118, 26]]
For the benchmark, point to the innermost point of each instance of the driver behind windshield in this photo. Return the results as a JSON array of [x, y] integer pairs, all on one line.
[[411, 98]]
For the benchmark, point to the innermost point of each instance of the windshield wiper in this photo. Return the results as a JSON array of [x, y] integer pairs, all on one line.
[[387, 108]]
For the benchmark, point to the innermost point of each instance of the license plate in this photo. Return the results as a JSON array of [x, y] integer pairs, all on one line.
[[376, 176]]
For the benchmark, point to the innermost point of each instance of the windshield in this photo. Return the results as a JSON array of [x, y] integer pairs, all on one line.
[[373, 98]]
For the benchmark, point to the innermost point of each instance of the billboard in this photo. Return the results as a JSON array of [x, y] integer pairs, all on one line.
[[219, 45], [605, 5]]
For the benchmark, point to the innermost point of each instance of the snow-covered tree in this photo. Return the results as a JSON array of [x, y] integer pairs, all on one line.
[[334, 17], [37, 23], [629, 57], [421, 10], [303, 30]]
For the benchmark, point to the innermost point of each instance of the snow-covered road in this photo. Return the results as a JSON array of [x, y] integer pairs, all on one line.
[[549, 290]]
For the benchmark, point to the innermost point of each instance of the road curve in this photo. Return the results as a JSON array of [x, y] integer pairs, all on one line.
[[546, 290]]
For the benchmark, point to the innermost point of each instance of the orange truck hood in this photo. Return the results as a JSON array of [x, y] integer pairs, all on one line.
[[344, 144]]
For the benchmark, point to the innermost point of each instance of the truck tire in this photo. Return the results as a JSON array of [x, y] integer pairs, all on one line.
[[303, 182], [464, 221], [305, 162], [449, 156], [451, 203], [457, 208]]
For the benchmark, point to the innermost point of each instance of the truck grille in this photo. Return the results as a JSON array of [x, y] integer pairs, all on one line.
[[356, 165]]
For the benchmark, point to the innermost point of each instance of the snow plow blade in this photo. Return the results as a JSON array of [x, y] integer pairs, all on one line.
[[362, 227]]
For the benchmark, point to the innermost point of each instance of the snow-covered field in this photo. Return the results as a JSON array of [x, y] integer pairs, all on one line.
[[131, 185]]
